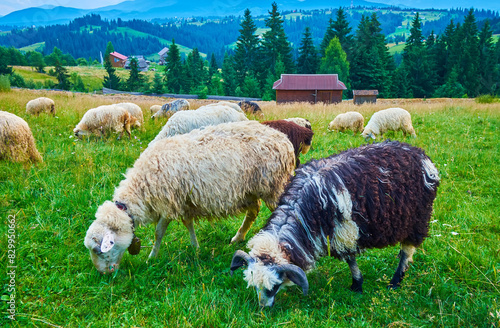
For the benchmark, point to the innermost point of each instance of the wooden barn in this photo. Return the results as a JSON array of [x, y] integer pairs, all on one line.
[[364, 96], [311, 88], [117, 60], [163, 56]]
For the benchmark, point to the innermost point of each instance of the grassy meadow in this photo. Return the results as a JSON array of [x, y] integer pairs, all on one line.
[[453, 282]]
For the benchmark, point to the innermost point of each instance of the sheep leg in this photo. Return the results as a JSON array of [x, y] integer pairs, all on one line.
[[127, 128], [406, 256], [190, 226], [357, 277], [252, 212], [161, 227]]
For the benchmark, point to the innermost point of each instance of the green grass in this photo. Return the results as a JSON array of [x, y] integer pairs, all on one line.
[[453, 282], [34, 47]]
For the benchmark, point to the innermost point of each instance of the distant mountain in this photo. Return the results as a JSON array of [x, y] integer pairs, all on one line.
[[444, 4], [164, 9]]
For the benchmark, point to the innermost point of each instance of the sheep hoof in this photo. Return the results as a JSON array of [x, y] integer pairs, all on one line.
[[235, 240], [393, 286]]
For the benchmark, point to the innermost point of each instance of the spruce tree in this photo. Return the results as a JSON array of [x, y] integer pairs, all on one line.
[[229, 76], [112, 81], [62, 76], [308, 60], [173, 69], [135, 80], [487, 60], [250, 87], [329, 35], [335, 62], [195, 70], [338, 28], [246, 47], [157, 83], [109, 49], [468, 69]]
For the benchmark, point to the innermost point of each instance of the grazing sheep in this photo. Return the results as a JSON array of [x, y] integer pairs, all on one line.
[[373, 196], [105, 118], [16, 140], [155, 108], [210, 173], [39, 105], [135, 111], [353, 121], [299, 136], [186, 121], [389, 119], [251, 107], [228, 104], [171, 108], [300, 121]]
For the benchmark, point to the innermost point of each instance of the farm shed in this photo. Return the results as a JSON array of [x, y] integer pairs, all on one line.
[[312, 88], [364, 96], [142, 63], [163, 53], [117, 60]]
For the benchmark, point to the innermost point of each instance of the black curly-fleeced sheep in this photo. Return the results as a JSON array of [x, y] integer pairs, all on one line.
[[299, 136], [369, 197]]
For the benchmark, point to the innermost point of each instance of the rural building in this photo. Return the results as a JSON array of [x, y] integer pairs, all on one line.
[[163, 54], [142, 63], [117, 60], [364, 96], [312, 88]]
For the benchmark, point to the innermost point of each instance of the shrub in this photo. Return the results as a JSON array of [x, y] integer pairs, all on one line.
[[487, 99], [17, 80], [4, 83]]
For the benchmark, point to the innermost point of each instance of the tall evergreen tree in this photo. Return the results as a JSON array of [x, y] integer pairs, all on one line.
[[173, 68], [335, 62], [468, 69], [329, 35], [250, 87], [246, 47], [338, 28], [275, 42], [229, 76], [308, 60], [109, 49], [487, 60], [135, 80], [157, 83], [195, 69], [62, 76], [111, 81]]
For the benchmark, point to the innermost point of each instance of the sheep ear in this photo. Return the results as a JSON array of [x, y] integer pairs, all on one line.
[[296, 275], [108, 241], [240, 258]]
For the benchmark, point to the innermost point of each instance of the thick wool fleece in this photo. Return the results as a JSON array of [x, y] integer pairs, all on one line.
[[135, 111], [16, 140], [390, 119], [353, 121], [105, 118], [39, 105]]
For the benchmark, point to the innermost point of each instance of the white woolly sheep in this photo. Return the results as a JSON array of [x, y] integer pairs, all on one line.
[[16, 140], [105, 118], [300, 121], [212, 173], [135, 111], [353, 121], [188, 120], [172, 107], [39, 105], [228, 104], [154, 109], [394, 119]]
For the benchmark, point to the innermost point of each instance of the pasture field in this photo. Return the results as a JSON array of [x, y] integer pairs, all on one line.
[[454, 281]]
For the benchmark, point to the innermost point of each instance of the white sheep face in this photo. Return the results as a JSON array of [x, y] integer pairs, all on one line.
[[266, 280]]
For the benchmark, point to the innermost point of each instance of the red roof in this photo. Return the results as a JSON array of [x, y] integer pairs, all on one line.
[[309, 82], [119, 56]]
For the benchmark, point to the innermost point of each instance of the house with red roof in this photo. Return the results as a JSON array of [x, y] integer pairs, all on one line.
[[117, 60], [311, 88]]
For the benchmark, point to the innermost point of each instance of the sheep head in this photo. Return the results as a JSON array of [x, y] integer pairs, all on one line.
[[267, 277], [367, 134], [108, 237], [81, 130]]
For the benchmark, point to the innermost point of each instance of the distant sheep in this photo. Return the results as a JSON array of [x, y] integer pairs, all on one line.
[[300, 121], [394, 119], [135, 111], [251, 107], [16, 140], [155, 108], [105, 118], [212, 173], [227, 103], [188, 120], [373, 196], [171, 108], [353, 121], [299, 136], [39, 105]]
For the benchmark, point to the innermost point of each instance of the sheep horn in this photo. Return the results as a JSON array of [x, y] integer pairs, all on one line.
[[240, 258], [296, 275]]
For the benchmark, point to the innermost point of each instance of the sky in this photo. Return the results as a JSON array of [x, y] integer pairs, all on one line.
[[8, 6]]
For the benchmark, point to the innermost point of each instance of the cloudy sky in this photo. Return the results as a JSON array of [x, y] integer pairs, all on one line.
[[8, 6]]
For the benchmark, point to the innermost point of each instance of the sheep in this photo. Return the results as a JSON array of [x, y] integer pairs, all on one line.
[[39, 105], [389, 119], [228, 104], [373, 196], [251, 107], [300, 137], [172, 107], [16, 140], [104, 118], [186, 121], [300, 121], [353, 121], [210, 173], [155, 108], [135, 111]]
